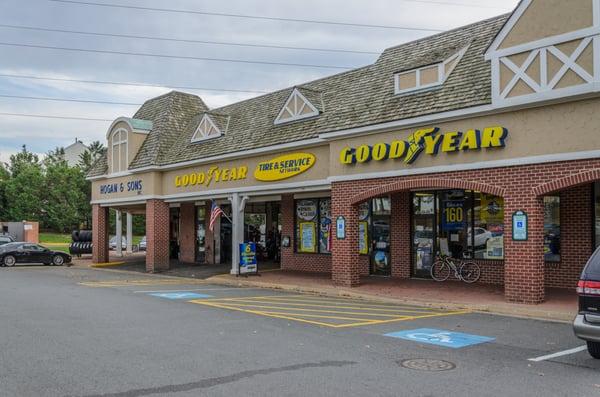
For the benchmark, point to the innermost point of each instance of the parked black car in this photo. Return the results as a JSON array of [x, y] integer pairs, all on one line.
[[5, 239], [13, 253], [587, 322]]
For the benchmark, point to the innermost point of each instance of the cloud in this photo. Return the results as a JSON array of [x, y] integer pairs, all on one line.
[[42, 135]]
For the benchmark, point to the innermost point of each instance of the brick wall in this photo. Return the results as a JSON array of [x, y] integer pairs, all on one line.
[[576, 237], [291, 260], [157, 233], [187, 233], [523, 270], [100, 234]]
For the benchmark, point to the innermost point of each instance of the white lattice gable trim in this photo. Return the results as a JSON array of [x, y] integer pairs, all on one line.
[[207, 129], [427, 77], [297, 107]]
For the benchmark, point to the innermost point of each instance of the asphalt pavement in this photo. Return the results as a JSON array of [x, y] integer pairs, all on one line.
[[93, 332]]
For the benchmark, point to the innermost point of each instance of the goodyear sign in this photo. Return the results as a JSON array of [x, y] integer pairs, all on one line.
[[212, 175], [284, 167], [430, 141]]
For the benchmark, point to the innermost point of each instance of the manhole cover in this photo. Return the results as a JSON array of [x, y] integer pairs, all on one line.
[[427, 364]]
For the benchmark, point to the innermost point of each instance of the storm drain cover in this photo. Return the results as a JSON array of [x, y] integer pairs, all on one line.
[[427, 364]]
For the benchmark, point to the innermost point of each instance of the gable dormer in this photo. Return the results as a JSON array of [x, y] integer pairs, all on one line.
[[124, 138], [548, 49], [427, 77], [207, 129], [297, 107]]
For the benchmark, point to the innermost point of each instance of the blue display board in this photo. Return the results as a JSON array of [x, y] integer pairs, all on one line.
[[453, 215], [248, 262]]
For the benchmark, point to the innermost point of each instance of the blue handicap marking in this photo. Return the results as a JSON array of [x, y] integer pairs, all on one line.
[[440, 337], [180, 295]]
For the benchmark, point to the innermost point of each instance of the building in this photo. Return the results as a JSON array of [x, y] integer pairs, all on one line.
[[482, 142], [21, 231], [74, 151]]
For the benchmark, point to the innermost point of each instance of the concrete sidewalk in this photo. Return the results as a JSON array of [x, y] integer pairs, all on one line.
[[560, 305]]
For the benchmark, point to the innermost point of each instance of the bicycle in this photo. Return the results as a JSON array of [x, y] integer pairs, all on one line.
[[469, 272]]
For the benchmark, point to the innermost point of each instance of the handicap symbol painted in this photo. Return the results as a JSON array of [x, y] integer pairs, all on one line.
[[180, 295], [441, 337]]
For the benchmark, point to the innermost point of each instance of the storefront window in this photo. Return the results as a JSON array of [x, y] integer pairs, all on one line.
[[374, 233], [200, 234], [552, 228], [458, 223], [313, 226]]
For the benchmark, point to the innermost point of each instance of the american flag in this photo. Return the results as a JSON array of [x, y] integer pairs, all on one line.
[[215, 213]]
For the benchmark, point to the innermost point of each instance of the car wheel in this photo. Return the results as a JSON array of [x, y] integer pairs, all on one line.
[[9, 260], [594, 349], [58, 260]]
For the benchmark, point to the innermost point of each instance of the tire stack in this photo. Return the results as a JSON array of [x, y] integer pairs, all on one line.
[[82, 242]]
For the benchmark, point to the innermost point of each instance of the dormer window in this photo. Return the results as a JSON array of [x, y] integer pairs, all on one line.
[[119, 154], [297, 107], [426, 77], [207, 129]]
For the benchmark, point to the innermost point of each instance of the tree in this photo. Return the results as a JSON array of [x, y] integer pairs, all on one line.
[[22, 159], [67, 204], [25, 191], [87, 159], [4, 177]]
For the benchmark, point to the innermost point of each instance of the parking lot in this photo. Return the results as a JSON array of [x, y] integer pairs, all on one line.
[[88, 332]]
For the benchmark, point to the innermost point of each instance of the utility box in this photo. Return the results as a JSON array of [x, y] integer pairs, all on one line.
[[22, 231]]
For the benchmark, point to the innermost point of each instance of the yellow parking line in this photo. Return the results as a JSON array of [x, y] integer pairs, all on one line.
[[309, 298], [319, 316], [312, 310], [402, 319], [330, 306], [203, 302]]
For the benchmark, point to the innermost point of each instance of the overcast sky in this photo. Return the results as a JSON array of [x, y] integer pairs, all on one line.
[[41, 135]]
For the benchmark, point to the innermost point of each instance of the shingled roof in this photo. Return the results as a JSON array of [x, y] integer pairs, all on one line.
[[356, 98]]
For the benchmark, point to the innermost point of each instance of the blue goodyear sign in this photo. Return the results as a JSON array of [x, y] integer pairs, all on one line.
[[248, 258], [130, 186], [441, 337]]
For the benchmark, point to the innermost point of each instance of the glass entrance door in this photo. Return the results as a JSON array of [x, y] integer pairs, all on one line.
[[380, 237], [423, 233]]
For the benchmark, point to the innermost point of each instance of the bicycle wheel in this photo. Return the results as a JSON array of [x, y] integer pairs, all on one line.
[[440, 271], [469, 272]]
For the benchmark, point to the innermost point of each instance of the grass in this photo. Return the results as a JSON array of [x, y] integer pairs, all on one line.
[[61, 242]]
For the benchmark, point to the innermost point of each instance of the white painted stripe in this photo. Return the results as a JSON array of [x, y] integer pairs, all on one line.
[[559, 354], [194, 289]]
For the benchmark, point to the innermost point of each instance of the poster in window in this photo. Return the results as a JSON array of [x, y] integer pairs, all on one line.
[[492, 209], [308, 238], [363, 238], [306, 210], [363, 211], [453, 215], [325, 226]]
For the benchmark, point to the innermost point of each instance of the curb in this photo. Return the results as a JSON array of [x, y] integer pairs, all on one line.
[[517, 312], [107, 264]]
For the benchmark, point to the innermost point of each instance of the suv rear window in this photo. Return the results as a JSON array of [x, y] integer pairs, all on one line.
[[592, 269]]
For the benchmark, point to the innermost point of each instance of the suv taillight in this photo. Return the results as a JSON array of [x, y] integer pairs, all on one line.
[[588, 287]]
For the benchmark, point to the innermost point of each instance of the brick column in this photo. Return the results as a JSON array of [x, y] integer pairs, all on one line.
[[345, 264], [400, 235], [287, 230], [524, 260], [187, 233], [99, 234], [209, 237], [157, 234]]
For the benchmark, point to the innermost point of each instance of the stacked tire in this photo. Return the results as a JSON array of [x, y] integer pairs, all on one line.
[[81, 242]]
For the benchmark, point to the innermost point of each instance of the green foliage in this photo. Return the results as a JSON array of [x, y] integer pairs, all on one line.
[[25, 192], [67, 203]]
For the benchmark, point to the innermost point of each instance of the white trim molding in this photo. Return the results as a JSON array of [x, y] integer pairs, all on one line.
[[295, 109], [206, 130]]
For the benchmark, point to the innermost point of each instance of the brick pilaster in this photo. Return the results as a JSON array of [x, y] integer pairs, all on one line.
[[187, 233], [209, 237], [287, 230], [157, 234], [524, 260], [99, 234], [345, 263], [400, 235]]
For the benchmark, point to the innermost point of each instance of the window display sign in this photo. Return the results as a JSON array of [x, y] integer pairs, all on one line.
[[340, 227], [363, 238], [519, 226], [308, 237], [453, 215], [363, 211], [248, 258], [306, 209]]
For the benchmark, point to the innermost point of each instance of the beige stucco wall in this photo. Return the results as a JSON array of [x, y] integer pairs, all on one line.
[[150, 185], [546, 18], [320, 170], [563, 128]]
